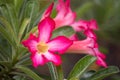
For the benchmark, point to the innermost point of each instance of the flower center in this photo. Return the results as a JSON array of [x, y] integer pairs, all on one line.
[[42, 47]]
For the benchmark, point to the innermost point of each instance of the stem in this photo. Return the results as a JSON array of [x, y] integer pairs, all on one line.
[[53, 71], [60, 72]]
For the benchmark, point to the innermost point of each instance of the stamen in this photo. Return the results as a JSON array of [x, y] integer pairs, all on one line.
[[42, 47]]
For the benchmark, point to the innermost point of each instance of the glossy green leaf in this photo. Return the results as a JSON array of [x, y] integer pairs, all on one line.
[[81, 66], [101, 74], [63, 31], [29, 72]]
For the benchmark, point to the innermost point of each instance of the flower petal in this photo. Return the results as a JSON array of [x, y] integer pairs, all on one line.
[[85, 25], [101, 62], [88, 46], [38, 59], [90, 33], [82, 46], [31, 43], [93, 24], [48, 11], [51, 57], [80, 25], [64, 16], [45, 28], [74, 37], [59, 44]]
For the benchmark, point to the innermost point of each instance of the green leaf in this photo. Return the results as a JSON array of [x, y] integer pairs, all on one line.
[[53, 71], [31, 14], [18, 4], [12, 17], [29, 72], [8, 27], [3, 53], [6, 35], [23, 27], [104, 73], [25, 60], [33, 30], [80, 67], [5, 1], [60, 72], [63, 31], [7, 64]]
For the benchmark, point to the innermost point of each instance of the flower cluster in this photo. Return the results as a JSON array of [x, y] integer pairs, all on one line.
[[43, 49]]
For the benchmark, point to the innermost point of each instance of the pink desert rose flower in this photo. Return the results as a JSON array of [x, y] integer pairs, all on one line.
[[65, 16], [42, 48]]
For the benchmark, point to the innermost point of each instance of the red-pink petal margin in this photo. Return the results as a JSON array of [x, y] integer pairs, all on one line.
[[37, 59], [31, 43]]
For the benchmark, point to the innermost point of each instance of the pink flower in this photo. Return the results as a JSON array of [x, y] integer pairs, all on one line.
[[43, 48], [88, 46], [65, 16]]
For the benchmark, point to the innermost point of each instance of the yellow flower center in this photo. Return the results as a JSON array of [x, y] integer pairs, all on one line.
[[42, 47]]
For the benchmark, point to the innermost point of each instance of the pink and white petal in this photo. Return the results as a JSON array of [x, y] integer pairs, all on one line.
[[61, 8], [68, 19], [51, 57], [60, 44], [48, 11], [37, 59], [80, 25], [64, 12], [31, 43], [45, 27], [82, 46]]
